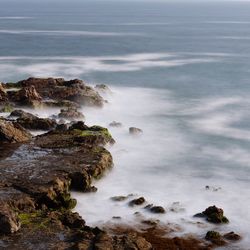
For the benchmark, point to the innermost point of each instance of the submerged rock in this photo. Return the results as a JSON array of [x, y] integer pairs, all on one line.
[[135, 131], [215, 238], [155, 209], [232, 236], [115, 124], [103, 89], [71, 114], [137, 202], [213, 215], [13, 132]]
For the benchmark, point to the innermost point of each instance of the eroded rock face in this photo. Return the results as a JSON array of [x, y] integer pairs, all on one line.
[[60, 90], [3, 95], [27, 96], [13, 132], [30, 121]]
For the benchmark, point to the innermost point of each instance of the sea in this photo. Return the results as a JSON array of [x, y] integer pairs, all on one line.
[[180, 71]]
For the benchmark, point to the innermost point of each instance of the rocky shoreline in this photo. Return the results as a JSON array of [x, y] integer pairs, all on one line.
[[37, 174]]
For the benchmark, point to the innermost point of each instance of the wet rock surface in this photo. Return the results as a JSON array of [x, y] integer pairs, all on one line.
[[213, 214], [71, 114], [32, 122]]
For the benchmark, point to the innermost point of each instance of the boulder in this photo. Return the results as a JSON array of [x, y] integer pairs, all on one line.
[[135, 131], [137, 202], [71, 114], [213, 215], [215, 238], [13, 132], [232, 236], [103, 89]]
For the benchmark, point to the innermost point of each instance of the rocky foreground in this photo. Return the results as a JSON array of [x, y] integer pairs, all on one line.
[[38, 172]]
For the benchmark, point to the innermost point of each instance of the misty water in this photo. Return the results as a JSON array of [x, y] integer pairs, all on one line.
[[180, 72]]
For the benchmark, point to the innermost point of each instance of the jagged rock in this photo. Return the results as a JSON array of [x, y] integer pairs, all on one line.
[[27, 96], [8, 221], [3, 94], [135, 131], [213, 215], [60, 90], [137, 202], [115, 124], [30, 121], [13, 132], [73, 220], [71, 114]]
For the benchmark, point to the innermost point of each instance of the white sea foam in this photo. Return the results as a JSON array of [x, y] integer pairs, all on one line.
[[167, 164], [67, 33], [14, 17], [77, 66]]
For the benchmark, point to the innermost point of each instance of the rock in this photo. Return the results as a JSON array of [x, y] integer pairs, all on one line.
[[119, 198], [213, 215], [30, 121], [3, 94], [215, 238], [157, 210], [8, 221], [13, 132], [103, 89], [7, 108], [71, 114], [27, 96], [115, 124], [135, 131], [73, 220], [132, 241], [137, 202], [232, 236], [59, 90], [150, 222]]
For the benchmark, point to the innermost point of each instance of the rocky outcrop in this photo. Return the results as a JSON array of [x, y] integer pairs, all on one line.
[[27, 96], [59, 89], [32, 122], [13, 132]]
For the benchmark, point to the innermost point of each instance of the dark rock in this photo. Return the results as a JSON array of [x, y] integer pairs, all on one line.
[[60, 90], [215, 215], [115, 124], [8, 221], [13, 132], [27, 96], [7, 108], [157, 210], [70, 114], [215, 238], [3, 94], [232, 236], [73, 220], [137, 202], [30, 121], [135, 131]]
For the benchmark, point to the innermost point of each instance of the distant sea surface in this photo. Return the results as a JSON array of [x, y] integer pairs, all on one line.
[[179, 71]]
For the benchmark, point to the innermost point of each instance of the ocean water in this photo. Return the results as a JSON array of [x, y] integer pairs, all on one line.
[[179, 71]]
